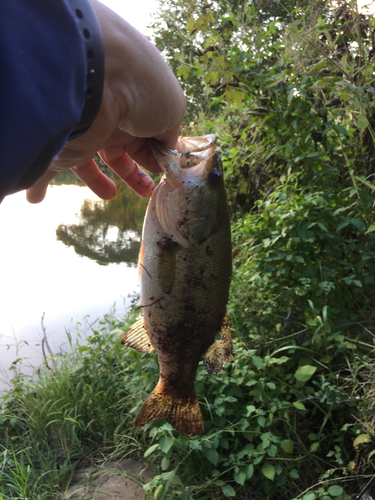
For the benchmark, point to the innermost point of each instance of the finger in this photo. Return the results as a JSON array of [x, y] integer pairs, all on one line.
[[145, 157], [96, 180], [128, 170], [170, 138], [136, 148], [37, 192], [140, 151]]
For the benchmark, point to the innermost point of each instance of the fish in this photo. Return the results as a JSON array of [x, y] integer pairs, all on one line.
[[185, 264]]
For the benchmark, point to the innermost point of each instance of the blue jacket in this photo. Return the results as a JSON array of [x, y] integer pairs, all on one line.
[[42, 86]]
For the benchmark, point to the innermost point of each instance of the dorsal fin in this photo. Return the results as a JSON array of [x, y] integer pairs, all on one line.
[[137, 336]]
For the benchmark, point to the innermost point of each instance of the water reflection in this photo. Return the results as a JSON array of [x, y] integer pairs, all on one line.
[[40, 275], [107, 231]]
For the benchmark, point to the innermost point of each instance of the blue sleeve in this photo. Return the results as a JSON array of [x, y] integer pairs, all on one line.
[[42, 86]]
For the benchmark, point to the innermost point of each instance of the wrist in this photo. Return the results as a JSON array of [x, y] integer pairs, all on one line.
[[89, 28]]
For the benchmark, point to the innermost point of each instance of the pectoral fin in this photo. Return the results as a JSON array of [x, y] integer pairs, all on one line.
[[137, 337], [219, 353]]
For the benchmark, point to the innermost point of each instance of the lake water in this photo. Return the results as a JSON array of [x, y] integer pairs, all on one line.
[[71, 257]]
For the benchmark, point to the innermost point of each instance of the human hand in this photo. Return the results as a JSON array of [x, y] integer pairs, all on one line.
[[141, 99]]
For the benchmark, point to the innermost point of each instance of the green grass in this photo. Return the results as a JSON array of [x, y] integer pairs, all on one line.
[[50, 423]]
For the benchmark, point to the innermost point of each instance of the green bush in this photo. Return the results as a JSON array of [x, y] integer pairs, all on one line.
[[303, 251]]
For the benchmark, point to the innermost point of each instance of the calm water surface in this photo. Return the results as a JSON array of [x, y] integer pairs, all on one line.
[[71, 257]]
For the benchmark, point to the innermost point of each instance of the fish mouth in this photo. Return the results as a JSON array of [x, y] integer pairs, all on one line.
[[186, 201], [191, 159]]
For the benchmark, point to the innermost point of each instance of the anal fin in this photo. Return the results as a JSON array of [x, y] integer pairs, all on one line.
[[219, 353], [137, 337]]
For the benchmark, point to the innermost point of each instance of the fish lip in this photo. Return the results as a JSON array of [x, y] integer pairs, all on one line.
[[176, 164], [209, 139], [156, 145]]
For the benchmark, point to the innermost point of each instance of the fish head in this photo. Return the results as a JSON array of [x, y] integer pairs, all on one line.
[[190, 199]]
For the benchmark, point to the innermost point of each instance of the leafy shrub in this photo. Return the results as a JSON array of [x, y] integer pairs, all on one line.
[[306, 250], [276, 424]]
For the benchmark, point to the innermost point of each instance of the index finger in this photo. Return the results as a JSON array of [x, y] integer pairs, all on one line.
[[170, 137], [141, 152]]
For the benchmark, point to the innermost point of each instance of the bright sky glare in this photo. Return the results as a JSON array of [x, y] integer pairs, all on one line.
[[367, 6], [137, 13]]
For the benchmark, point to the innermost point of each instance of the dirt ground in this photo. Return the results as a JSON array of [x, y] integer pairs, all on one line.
[[120, 481]]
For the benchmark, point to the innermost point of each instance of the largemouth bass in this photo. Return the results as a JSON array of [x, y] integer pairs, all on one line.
[[185, 269]]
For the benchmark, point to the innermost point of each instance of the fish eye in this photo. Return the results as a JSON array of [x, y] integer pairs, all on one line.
[[214, 178]]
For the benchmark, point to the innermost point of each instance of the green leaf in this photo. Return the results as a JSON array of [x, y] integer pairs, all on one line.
[[268, 470], [166, 443], [340, 129], [362, 438], [165, 463], [261, 421], [314, 447], [311, 321], [249, 410], [304, 373], [212, 455], [257, 361], [358, 224], [151, 450], [299, 406], [158, 492], [287, 446], [371, 228], [183, 71], [342, 224], [228, 490], [272, 451], [212, 77], [361, 122], [335, 491], [240, 477], [309, 496], [190, 24], [249, 471]]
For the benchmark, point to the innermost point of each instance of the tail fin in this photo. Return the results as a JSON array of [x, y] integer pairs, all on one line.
[[183, 414]]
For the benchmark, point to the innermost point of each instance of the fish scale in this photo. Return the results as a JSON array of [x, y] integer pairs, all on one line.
[[185, 267]]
